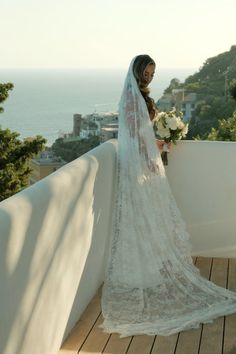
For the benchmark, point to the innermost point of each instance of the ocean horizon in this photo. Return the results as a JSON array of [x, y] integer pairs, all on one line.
[[43, 101]]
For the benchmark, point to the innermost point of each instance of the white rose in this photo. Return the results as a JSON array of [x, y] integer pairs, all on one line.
[[181, 125], [160, 126], [172, 123]]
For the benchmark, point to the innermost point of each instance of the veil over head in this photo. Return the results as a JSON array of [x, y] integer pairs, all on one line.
[[136, 135], [151, 285]]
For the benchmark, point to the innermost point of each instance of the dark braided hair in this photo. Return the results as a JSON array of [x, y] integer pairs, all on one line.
[[139, 66]]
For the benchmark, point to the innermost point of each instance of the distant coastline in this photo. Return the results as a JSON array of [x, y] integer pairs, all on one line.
[[43, 101]]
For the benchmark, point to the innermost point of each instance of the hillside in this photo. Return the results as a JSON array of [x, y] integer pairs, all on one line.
[[211, 84], [213, 77]]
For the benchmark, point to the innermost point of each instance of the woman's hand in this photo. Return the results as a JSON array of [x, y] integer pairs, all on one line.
[[161, 143]]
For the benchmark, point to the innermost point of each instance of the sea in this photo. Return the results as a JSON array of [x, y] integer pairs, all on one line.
[[43, 101]]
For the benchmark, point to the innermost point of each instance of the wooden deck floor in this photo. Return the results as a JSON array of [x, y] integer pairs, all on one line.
[[218, 337]]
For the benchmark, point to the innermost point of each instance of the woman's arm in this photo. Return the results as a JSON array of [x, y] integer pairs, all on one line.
[[133, 127]]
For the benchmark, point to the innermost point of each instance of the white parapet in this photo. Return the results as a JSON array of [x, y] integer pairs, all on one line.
[[202, 175], [52, 252], [54, 236]]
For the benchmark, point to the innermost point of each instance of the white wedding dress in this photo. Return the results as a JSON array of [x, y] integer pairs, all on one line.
[[151, 285]]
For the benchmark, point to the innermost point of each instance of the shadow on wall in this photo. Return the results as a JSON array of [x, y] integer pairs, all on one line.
[[96, 260], [49, 266]]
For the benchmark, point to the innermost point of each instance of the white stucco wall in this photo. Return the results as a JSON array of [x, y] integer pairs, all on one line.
[[53, 236], [202, 175], [52, 252]]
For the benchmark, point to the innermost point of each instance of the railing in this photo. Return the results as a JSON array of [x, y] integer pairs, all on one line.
[[53, 236]]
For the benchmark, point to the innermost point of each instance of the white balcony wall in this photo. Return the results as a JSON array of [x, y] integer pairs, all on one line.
[[54, 235], [52, 252], [202, 175]]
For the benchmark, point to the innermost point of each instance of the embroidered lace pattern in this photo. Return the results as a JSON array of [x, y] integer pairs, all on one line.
[[151, 284]]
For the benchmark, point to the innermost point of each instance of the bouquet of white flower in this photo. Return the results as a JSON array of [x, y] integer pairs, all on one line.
[[170, 127]]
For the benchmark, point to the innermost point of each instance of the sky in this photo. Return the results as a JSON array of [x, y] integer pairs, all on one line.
[[109, 33]]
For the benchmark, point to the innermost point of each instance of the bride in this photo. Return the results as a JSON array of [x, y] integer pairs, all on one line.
[[151, 285]]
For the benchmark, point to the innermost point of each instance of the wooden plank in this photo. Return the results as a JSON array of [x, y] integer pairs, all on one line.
[[83, 326], [189, 340], [230, 321], [117, 345], [204, 265], [219, 271], [212, 334], [165, 344], [96, 340], [141, 344]]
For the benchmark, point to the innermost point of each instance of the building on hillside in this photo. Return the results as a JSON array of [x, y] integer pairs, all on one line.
[[103, 118], [103, 125], [182, 101], [43, 165], [77, 120], [109, 117], [188, 105], [88, 130], [109, 131]]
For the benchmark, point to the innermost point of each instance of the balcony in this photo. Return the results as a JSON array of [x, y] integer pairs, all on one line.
[[53, 253], [216, 338]]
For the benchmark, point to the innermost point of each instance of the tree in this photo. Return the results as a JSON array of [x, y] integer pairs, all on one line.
[[174, 84], [226, 130], [69, 151], [207, 114], [214, 99], [15, 155], [4, 88], [232, 89]]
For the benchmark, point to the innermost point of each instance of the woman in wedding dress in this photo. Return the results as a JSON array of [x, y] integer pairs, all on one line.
[[151, 285]]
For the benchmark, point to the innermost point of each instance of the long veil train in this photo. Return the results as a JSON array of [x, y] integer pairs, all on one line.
[[151, 285]]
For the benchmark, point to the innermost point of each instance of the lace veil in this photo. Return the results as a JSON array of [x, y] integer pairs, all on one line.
[[151, 285]]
